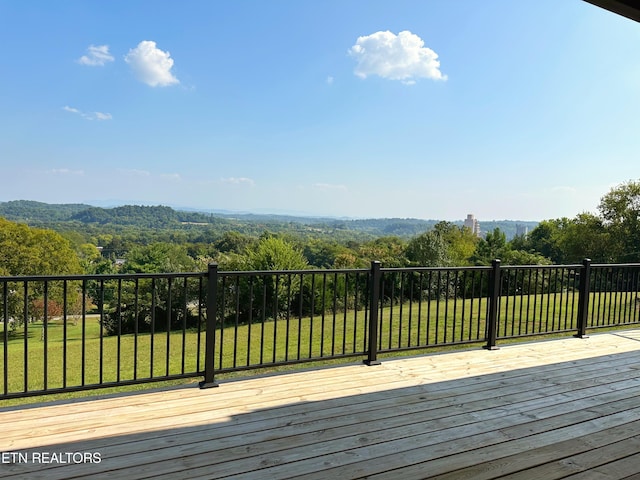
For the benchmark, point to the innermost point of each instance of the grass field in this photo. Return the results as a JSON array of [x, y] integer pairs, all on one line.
[[100, 360]]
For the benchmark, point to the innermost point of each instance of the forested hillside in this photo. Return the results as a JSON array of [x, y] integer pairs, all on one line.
[[73, 216], [159, 239], [28, 211]]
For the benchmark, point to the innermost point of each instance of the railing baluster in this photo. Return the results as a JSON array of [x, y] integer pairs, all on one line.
[[5, 337], [169, 319], [429, 290], [25, 322], [102, 320], [185, 313], [583, 298], [84, 334], [153, 327], [45, 336], [236, 317], [374, 302], [212, 290], [438, 301], [323, 298], [136, 311], [119, 339], [300, 309], [288, 319], [64, 334], [334, 305], [494, 305]]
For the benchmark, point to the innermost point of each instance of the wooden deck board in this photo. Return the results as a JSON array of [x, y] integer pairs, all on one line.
[[548, 409]]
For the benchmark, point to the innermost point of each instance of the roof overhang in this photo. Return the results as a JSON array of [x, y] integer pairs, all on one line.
[[626, 8]]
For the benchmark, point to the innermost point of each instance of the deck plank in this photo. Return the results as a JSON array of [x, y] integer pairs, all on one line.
[[550, 463], [546, 409], [624, 468]]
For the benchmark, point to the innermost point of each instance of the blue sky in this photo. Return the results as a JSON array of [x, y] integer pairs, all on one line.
[[523, 110]]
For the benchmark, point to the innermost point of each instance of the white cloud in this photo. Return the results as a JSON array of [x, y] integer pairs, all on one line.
[[395, 57], [102, 116], [171, 176], [151, 65], [329, 187], [88, 115], [96, 56], [330, 80], [238, 181], [134, 172]]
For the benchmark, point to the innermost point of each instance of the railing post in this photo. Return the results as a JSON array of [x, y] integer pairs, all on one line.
[[374, 306], [494, 305], [210, 339], [583, 298]]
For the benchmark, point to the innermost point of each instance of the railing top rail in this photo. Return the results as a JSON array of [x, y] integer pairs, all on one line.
[[481, 267], [316, 271], [615, 265], [112, 276], [432, 269], [541, 267]]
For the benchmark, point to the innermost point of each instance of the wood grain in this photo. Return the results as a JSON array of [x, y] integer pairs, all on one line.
[[550, 409]]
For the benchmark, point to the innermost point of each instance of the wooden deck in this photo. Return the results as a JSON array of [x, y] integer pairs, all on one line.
[[544, 410]]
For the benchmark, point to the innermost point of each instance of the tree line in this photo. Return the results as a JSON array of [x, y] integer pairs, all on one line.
[[611, 235]]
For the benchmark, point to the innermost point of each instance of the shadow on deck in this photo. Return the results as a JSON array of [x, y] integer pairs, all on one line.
[[549, 409]]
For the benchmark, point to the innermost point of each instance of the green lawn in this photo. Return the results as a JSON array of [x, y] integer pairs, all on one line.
[[402, 326]]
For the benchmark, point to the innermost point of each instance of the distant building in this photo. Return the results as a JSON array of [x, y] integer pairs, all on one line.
[[521, 230], [472, 224]]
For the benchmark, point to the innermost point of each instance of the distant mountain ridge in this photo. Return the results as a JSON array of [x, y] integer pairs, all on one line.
[[159, 216]]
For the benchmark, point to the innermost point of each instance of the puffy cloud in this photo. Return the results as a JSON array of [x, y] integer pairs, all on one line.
[[96, 56], [88, 115], [238, 181], [151, 65], [395, 57]]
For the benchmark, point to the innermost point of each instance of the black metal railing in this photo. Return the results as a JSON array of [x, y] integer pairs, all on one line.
[[71, 333]]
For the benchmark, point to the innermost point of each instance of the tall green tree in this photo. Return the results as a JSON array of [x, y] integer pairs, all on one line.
[[159, 258], [545, 239], [493, 245], [428, 249], [620, 212], [461, 242], [34, 251], [274, 253], [585, 236], [390, 251], [235, 242]]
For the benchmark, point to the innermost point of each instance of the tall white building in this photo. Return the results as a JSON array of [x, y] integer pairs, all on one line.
[[473, 224], [522, 230]]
